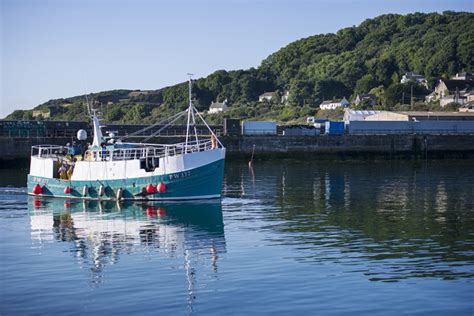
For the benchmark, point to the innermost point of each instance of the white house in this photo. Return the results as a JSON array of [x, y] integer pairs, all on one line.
[[334, 104], [453, 87], [413, 76], [365, 97], [463, 76], [267, 96], [217, 107], [452, 98]]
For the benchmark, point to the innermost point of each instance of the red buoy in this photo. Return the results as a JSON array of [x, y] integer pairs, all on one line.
[[37, 204], [150, 188], [161, 212], [150, 212], [37, 189], [161, 187], [67, 190]]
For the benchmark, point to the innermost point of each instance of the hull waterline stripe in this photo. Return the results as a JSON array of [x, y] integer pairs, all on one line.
[[184, 198]]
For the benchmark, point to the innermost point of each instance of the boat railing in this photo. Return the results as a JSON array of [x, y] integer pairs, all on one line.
[[126, 153], [48, 151], [148, 151]]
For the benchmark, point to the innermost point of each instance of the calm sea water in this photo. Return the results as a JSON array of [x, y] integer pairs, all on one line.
[[289, 237]]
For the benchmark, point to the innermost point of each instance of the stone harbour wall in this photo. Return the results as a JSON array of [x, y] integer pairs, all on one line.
[[324, 146]]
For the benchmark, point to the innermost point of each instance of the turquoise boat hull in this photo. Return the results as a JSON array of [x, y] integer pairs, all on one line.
[[204, 182]]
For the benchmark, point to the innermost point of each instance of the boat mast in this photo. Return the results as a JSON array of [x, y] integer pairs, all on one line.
[[190, 109], [98, 138]]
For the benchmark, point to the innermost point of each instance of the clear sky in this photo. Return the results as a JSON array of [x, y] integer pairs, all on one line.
[[62, 48]]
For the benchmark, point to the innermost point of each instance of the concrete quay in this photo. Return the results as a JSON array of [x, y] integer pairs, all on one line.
[[355, 146], [323, 146]]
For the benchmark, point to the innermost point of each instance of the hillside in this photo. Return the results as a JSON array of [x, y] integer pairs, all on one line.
[[370, 57]]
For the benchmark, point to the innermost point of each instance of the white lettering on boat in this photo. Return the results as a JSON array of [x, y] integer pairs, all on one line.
[[180, 175]]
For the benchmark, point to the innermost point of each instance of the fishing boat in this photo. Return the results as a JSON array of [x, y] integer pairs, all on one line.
[[111, 169]]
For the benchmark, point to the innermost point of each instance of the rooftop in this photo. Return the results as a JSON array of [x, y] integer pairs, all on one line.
[[413, 74], [439, 114], [366, 95], [217, 105], [458, 84], [332, 101]]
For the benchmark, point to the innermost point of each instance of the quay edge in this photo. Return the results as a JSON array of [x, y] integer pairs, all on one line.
[[16, 151]]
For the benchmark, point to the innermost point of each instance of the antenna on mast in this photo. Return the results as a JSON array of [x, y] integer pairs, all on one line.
[[87, 105], [190, 87]]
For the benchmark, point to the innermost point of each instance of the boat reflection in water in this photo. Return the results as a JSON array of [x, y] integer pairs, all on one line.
[[99, 233]]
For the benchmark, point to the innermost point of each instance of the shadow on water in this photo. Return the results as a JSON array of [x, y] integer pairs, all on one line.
[[100, 233], [389, 220]]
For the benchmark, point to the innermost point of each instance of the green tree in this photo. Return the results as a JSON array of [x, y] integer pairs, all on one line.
[[365, 84], [401, 93]]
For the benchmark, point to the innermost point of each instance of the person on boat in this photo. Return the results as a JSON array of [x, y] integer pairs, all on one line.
[[213, 142], [75, 149], [104, 152], [65, 149], [71, 150], [62, 172], [69, 172], [84, 151]]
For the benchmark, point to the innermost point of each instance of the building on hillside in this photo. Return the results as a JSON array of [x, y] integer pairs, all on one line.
[[431, 97], [267, 96], [365, 98], [217, 107], [41, 113], [463, 76], [414, 76], [420, 116], [446, 87], [334, 104], [357, 115], [469, 95], [452, 98], [137, 93], [45, 113], [468, 107]]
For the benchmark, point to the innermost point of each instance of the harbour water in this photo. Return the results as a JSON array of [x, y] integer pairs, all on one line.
[[289, 237]]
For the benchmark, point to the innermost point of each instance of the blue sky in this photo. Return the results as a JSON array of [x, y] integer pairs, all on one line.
[[61, 48]]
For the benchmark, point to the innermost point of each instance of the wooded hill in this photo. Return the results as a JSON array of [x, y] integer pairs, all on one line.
[[370, 57]]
